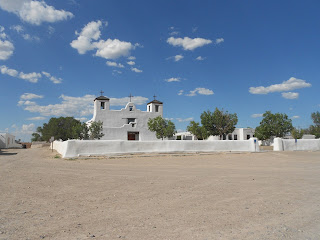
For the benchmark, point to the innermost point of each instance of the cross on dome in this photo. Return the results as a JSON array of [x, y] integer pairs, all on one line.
[[130, 96], [102, 92]]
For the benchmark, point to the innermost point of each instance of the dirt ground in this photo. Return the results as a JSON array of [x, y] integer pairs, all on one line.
[[267, 195]]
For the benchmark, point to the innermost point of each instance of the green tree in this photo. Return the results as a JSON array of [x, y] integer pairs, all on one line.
[[162, 127], [219, 122], [315, 129], [36, 137], [273, 125], [80, 131], [95, 130], [297, 133], [197, 130]]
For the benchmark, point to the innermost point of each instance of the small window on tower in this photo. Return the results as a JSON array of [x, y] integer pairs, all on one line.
[[102, 105], [130, 108], [157, 108], [149, 108]]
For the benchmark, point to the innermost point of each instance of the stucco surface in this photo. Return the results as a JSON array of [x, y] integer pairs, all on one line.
[[74, 148], [296, 145]]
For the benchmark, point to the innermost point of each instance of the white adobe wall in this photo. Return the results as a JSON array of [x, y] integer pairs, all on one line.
[[280, 144], [75, 148]]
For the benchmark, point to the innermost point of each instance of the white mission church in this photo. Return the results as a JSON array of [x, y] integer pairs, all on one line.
[[129, 123]]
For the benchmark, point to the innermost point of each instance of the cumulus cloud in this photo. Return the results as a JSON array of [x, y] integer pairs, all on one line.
[[257, 115], [200, 58], [75, 106], [30, 77], [188, 43], [180, 92], [6, 47], [36, 118], [173, 79], [200, 91], [89, 39], [290, 95], [114, 64], [185, 120], [29, 96], [178, 58], [35, 12], [131, 58], [131, 63], [136, 70], [289, 85], [219, 40], [20, 30]]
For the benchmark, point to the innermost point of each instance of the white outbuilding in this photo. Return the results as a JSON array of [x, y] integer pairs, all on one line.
[[128, 123], [7, 140]]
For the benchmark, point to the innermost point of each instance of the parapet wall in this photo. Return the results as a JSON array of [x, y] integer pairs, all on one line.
[[75, 148], [296, 144]]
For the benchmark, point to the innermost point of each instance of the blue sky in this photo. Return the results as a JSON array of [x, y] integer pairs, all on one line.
[[246, 57]]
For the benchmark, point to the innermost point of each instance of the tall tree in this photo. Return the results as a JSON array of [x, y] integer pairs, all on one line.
[[162, 127], [315, 129], [273, 125], [297, 133], [197, 130], [219, 122], [95, 130]]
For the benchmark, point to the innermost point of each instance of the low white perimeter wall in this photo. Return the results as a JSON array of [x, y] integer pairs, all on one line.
[[296, 145], [75, 148], [61, 147]]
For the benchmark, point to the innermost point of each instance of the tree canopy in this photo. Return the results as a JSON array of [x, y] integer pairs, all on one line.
[[297, 133], [315, 129], [162, 127], [273, 125], [67, 128], [218, 122], [197, 130]]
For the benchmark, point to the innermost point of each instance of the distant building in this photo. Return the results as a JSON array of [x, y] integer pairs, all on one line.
[[128, 123], [7, 140], [237, 134]]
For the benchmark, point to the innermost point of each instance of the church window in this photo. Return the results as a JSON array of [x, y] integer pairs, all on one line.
[[130, 108], [149, 108], [102, 105], [235, 137], [157, 108], [130, 120], [248, 136]]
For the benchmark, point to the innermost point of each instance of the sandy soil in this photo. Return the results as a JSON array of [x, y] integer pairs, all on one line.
[[269, 195]]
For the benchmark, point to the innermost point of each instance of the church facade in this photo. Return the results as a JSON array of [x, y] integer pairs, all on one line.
[[128, 123]]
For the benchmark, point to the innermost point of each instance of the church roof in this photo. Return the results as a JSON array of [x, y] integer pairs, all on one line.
[[155, 101], [102, 98]]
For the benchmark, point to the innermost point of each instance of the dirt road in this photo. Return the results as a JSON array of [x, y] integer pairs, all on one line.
[[271, 195]]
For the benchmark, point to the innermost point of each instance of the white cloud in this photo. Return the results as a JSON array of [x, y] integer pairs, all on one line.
[[180, 92], [36, 118], [116, 71], [257, 115], [172, 79], [185, 120], [136, 70], [88, 39], [8, 71], [6, 47], [114, 64], [76, 106], [17, 28], [201, 91], [30, 38], [295, 117], [34, 12], [291, 84], [219, 40], [200, 58], [131, 63], [178, 58], [131, 58], [174, 33], [188, 43], [20, 30], [290, 95], [29, 96], [30, 77]]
